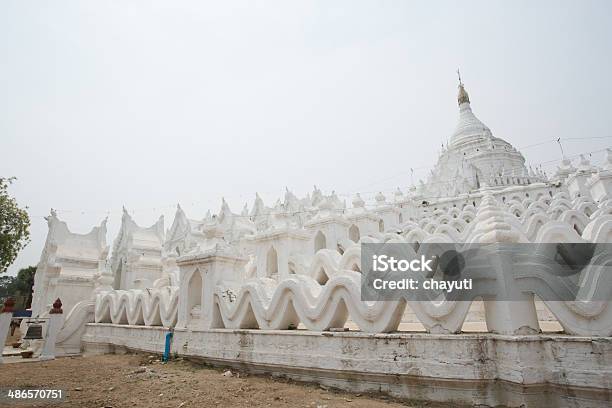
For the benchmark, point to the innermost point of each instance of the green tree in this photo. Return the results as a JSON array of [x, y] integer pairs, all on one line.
[[19, 287], [23, 285], [7, 286], [14, 226]]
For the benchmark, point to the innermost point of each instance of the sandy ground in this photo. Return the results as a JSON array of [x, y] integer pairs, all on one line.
[[142, 381]]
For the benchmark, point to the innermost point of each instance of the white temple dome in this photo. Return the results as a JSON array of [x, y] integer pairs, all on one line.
[[469, 126], [475, 158]]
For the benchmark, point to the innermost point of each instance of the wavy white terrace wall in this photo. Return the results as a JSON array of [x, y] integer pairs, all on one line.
[[540, 371], [219, 287], [211, 296]]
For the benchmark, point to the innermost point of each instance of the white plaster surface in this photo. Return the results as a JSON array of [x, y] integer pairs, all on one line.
[[55, 324], [5, 325], [540, 370]]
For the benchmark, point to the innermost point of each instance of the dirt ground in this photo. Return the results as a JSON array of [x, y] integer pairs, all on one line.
[[136, 380]]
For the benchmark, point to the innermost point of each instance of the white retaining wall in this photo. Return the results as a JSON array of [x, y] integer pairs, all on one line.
[[466, 369]]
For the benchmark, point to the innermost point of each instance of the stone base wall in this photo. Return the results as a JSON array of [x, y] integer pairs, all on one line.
[[464, 369]]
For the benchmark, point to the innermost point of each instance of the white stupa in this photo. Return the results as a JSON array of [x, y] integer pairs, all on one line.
[[475, 158]]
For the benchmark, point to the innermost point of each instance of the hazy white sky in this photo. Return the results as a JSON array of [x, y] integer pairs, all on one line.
[[150, 103]]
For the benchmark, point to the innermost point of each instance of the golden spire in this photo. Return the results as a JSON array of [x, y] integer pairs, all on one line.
[[463, 96]]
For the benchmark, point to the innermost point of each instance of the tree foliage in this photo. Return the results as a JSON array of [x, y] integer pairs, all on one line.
[[19, 287], [7, 286], [14, 226]]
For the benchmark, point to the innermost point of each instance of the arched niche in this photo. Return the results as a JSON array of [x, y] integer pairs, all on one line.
[[272, 263], [194, 298], [354, 233], [320, 242], [118, 273]]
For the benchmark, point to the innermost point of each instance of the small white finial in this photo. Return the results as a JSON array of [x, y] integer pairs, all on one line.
[[358, 201]]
